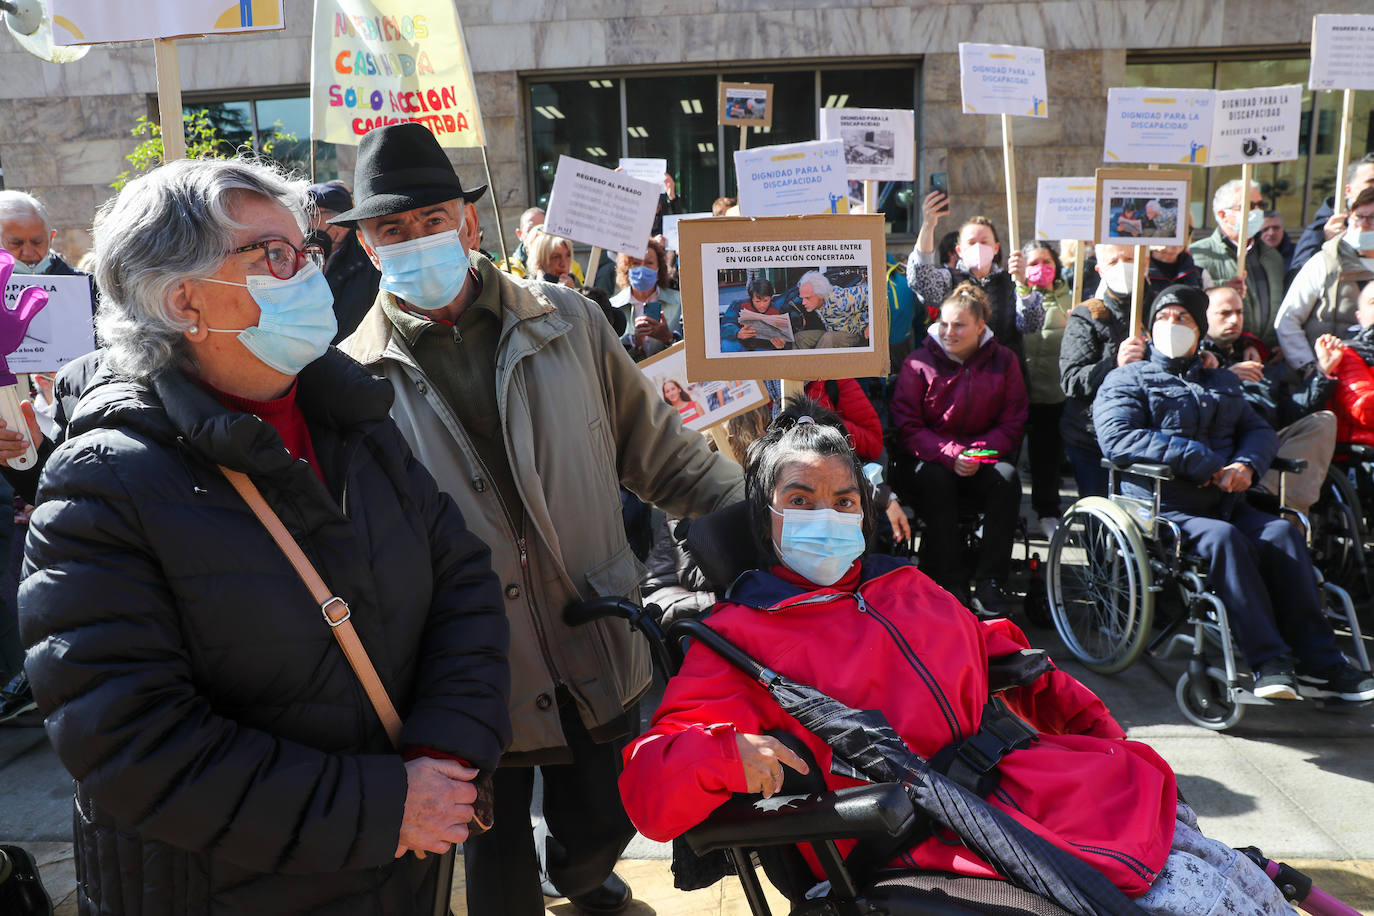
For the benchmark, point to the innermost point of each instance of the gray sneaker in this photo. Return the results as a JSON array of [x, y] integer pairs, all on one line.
[[17, 706], [1275, 680], [1339, 681]]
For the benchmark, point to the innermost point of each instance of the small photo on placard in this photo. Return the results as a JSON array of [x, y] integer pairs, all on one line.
[[699, 404], [746, 105], [1141, 207]]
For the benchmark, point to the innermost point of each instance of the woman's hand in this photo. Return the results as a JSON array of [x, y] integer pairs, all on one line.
[[763, 758], [648, 327], [568, 280], [439, 797], [901, 525], [12, 441], [934, 206], [1016, 266], [1328, 349]]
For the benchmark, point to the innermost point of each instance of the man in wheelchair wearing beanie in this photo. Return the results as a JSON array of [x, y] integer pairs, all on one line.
[[1169, 409]]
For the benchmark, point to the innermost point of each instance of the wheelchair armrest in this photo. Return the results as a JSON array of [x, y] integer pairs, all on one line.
[[1141, 469], [1288, 465], [881, 811], [1357, 451]]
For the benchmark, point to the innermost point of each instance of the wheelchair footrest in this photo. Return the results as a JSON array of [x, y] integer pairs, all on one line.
[[860, 812]]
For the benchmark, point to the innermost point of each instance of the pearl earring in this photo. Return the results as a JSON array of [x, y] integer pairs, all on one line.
[[194, 329]]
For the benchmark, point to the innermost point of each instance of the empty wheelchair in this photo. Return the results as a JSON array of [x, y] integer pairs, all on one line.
[[1121, 583]]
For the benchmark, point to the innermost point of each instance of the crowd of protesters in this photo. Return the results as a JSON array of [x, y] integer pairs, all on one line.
[[463, 447]]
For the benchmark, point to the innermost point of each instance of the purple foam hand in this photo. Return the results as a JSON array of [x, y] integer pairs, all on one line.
[[14, 323]]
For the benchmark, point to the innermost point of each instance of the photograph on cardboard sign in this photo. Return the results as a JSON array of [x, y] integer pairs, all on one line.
[[869, 147], [1141, 207], [744, 104], [1135, 217], [768, 306], [699, 404]]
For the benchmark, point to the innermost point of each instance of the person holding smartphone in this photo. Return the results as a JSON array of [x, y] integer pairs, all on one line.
[[653, 311]]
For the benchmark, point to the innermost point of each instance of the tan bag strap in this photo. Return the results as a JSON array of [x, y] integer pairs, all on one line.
[[336, 612]]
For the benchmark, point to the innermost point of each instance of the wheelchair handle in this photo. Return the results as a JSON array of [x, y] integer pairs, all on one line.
[[580, 613]]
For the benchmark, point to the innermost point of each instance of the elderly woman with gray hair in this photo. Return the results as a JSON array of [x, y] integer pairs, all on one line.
[[226, 758]]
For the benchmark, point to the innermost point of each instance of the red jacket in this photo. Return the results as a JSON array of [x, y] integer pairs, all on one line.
[[1353, 401], [922, 659], [857, 412], [940, 408]]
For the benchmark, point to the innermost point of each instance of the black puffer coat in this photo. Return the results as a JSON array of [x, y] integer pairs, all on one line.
[[226, 758], [1092, 336]]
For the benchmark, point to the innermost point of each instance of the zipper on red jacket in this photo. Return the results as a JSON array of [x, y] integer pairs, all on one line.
[[914, 660]]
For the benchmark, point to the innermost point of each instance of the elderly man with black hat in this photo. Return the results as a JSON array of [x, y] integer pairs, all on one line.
[[1169, 409], [522, 403]]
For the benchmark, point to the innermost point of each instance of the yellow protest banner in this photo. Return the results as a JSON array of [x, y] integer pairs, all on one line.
[[97, 21], [379, 62]]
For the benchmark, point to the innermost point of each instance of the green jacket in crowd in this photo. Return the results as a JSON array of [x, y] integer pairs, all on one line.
[[1042, 346], [1216, 254]]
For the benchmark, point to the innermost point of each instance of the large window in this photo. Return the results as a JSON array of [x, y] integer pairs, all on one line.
[[274, 121], [1293, 188], [600, 118]]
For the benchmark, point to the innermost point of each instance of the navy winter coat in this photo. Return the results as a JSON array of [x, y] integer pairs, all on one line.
[[226, 757], [1174, 412]]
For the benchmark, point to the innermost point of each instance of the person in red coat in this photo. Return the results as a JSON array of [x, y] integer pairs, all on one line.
[[1353, 401], [960, 409], [874, 632], [855, 409]]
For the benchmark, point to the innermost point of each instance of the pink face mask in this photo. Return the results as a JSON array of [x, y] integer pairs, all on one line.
[[978, 258], [1041, 275]]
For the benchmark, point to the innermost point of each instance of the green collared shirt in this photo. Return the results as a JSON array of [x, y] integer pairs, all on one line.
[[460, 362]]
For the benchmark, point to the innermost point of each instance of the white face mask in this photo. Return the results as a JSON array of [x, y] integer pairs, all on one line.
[[1172, 340], [1118, 277], [977, 258]]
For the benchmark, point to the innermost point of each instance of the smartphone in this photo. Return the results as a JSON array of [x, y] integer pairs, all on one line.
[[654, 310], [939, 181]]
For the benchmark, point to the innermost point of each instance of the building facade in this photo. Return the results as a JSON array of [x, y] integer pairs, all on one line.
[[600, 79]]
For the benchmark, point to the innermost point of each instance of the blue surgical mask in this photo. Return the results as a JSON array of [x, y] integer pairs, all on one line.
[[297, 321], [21, 268], [820, 544], [1360, 239], [643, 278], [428, 272]]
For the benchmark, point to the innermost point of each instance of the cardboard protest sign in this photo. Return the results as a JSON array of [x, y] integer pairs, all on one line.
[[644, 169], [699, 404], [745, 105], [601, 207], [817, 303], [792, 179], [670, 221], [1064, 208], [62, 331], [879, 143], [379, 62], [1342, 49], [1002, 79], [1256, 125], [1159, 126], [85, 22], [1141, 207]]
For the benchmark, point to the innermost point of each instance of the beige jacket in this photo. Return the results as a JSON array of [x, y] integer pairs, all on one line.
[[579, 420]]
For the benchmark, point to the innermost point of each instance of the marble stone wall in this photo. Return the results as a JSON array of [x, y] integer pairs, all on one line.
[[64, 130]]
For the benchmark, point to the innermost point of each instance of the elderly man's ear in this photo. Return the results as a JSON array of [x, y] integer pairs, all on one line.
[[471, 233]]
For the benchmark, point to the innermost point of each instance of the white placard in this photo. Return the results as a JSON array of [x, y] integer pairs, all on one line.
[[1342, 51], [62, 331], [1159, 126], [1064, 208], [793, 179], [1256, 125], [670, 221], [879, 143], [1002, 79], [645, 169], [602, 207], [84, 22]]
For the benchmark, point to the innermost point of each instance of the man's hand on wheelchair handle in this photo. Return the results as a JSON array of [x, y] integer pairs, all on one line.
[[763, 758]]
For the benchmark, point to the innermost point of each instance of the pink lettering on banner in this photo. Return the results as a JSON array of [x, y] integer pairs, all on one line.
[[439, 124]]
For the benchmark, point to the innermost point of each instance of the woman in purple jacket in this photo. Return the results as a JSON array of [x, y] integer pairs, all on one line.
[[960, 409]]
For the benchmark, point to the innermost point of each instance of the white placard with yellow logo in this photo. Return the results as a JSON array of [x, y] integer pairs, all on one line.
[[1002, 79], [86, 22], [1159, 126], [792, 179], [1064, 208]]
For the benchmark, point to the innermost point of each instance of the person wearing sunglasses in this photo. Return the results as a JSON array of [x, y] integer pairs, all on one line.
[[220, 740], [1324, 297]]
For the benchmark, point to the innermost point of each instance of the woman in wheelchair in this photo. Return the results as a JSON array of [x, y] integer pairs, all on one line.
[[874, 632], [1169, 410], [960, 408]]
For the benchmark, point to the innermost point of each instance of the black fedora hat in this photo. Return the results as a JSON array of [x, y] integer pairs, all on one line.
[[401, 167]]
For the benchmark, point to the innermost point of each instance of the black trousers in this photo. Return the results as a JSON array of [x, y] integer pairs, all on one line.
[[588, 828], [938, 494], [1045, 451]]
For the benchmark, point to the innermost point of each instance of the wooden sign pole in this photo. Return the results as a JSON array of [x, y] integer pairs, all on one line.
[[870, 197], [1078, 272], [1343, 151], [496, 208], [1009, 168], [1246, 173], [1142, 267], [743, 137], [721, 437], [792, 388], [593, 262], [169, 99]]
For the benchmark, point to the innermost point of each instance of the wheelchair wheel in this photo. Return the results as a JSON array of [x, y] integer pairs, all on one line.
[[1207, 703], [1099, 585], [1338, 533]]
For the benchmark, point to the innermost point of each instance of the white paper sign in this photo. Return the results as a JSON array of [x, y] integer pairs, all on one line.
[[602, 207], [645, 169], [83, 22], [62, 331], [1159, 126], [1256, 125], [793, 179], [1064, 208], [1342, 51], [879, 143], [670, 221], [1002, 79]]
